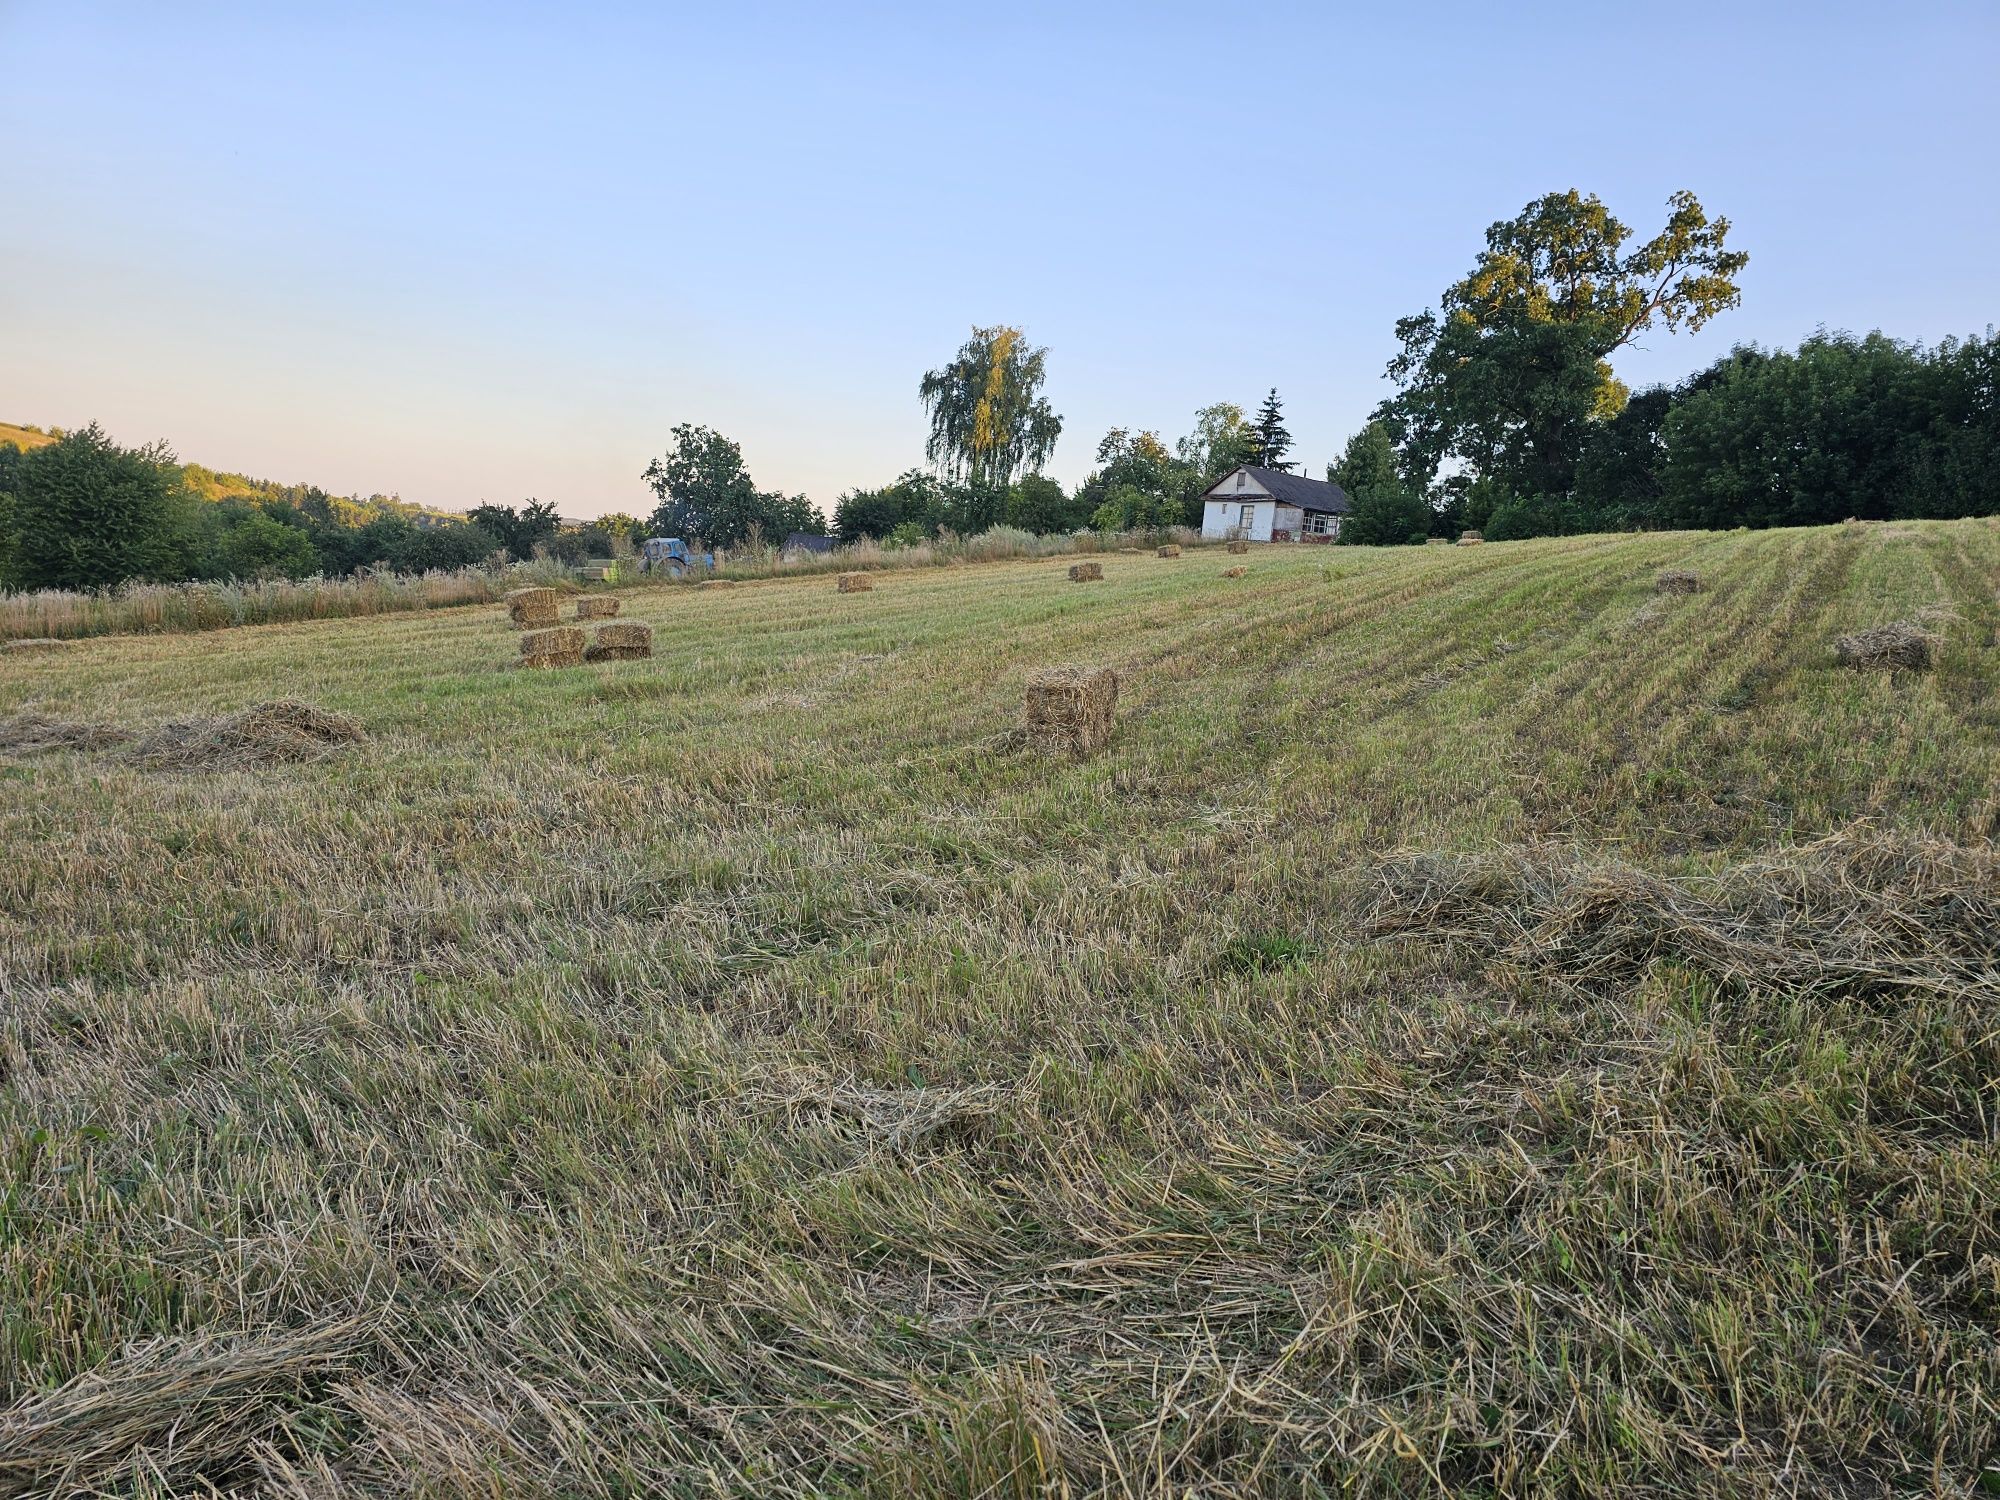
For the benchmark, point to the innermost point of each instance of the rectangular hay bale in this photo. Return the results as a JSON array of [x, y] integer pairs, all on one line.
[[1239, 546], [596, 607], [625, 641], [1086, 572], [1170, 550], [1900, 644], [561, 646], [531, 609], [1070, 708], [855, 583]]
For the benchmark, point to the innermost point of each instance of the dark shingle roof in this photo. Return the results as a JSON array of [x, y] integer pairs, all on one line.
[[1292, 489], [808, 542]]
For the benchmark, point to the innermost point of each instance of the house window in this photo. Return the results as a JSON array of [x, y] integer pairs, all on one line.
[[1318, 523], [1248, 513]]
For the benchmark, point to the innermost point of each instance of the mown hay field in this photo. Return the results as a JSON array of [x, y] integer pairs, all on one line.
[[1482, 1026]]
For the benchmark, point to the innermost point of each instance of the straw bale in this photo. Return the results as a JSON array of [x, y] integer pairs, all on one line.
[[1070, 708], [596, 607], [531, 609], [626, 641], [1236, 572], [1086, 572], [855, 583], [1677, 581], [561, 646], [1170, 550], [1900, 644]]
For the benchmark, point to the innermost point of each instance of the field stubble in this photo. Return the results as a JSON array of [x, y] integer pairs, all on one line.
[[1482, 1026]]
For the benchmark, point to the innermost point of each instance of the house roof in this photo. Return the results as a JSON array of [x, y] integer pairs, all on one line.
[[807, 541], [1291, 489]]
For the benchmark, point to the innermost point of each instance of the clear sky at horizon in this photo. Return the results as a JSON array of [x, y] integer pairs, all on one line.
[[467, 252]]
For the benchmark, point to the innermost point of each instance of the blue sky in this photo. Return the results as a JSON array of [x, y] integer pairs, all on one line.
[[481, 251]]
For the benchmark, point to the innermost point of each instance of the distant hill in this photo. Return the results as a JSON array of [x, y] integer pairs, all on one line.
[[24, 437], [213, 484]]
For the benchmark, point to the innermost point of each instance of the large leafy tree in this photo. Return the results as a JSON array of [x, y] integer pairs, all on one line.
[[90, 514], [1368, 462], [706, 493], [1266, 438], [1505, 379], [520, 532], [1219, 442], [1386, 511], [916, 500], [1844, 426], [989, 420]]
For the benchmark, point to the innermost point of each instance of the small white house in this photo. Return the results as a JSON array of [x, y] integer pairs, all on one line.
[[1270, 505]]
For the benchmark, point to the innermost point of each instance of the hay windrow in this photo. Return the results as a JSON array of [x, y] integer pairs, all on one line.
[[33, 731], [1900, 644], [282, 732], [1860, 912], [192, 1405], [35, 645]]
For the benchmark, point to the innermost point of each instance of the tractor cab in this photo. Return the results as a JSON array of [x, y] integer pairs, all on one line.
[[670, 555]]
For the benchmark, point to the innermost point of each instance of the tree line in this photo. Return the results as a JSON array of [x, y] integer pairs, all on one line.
[[1506, 417], [83, 512]]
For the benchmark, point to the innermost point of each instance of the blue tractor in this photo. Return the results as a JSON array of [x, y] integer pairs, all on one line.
[[670, 555]]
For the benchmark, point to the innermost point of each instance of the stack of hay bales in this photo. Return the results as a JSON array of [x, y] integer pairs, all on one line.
[[533, 609], [596, 607], [1898, 645], [561, 646], [1086, 572], [1239, 546], [855, 583], [1437, 541], [1470, 539], [1170, 550], [1236, 572], [1677, 581], [625, 641], [1069, 708]]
